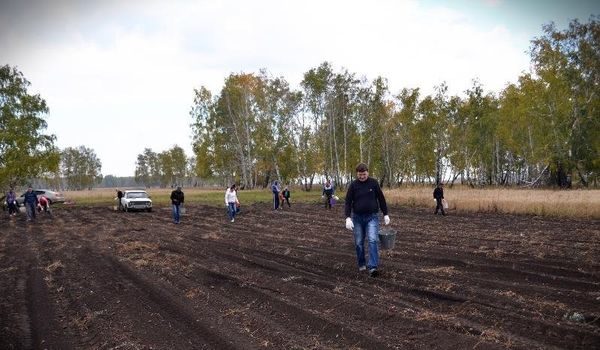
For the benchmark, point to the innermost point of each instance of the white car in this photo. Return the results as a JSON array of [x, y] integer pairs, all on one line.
[[136, 200]]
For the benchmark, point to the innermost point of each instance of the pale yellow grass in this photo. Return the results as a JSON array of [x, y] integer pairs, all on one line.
[[544, 202], [561, 203]]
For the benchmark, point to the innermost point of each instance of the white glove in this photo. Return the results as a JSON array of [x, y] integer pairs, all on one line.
[[349, 224], [386, 219]]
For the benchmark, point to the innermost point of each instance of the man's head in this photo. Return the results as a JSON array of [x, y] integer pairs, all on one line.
[[362, 172], [441, 185], [178, 188], [29, 189]]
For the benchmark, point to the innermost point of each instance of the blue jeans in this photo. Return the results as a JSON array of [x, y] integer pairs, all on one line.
[[231, 210], [275, 200], [176, 213], [366, 226], [30, 207]]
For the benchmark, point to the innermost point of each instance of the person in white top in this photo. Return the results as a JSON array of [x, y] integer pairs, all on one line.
[[231, 201]]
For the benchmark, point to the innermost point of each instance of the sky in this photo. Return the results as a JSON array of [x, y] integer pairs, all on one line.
[[119, 76]]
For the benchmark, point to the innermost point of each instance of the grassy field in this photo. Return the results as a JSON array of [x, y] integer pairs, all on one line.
[[558, 203]]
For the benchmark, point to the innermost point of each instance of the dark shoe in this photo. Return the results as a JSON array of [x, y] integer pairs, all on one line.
[[373, 273]]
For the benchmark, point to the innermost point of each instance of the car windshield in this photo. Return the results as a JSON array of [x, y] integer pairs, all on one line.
[[137, 195]]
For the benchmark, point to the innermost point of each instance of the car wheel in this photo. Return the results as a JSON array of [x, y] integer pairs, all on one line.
[[149, 210]]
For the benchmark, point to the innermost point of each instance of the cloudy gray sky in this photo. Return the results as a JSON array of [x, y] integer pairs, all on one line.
[[118, 76]]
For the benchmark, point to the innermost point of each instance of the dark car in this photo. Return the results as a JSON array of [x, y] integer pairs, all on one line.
[[53, 196]]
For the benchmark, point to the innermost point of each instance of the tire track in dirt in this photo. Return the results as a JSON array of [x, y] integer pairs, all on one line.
[[417, 299], [155, 314], [270, 276], [35, 313], [442, 296], [310, 280], [229, 258]]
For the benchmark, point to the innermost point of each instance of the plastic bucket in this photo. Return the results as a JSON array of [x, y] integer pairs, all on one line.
[[387, 238]]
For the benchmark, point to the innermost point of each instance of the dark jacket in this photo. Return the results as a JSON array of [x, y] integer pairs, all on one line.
[[275, 188], [30, 198], [11, 197], [438, 193], [328, 190], [365, 198], [286, 193], [177, 197]]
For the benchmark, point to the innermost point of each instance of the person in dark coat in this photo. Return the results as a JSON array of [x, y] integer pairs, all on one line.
[[363, 200], [438, 194], [119, 196], [286, 196], [30, 201], [275, 189], [328, 191], [177, 199]]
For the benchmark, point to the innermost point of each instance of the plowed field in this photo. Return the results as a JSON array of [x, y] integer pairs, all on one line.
[[92, 278]]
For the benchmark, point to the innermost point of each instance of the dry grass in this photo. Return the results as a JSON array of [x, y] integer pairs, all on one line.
[[543, 202], [559, 203], [443, 270]]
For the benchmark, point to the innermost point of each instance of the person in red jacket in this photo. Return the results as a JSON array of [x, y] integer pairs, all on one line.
[[43, 205]]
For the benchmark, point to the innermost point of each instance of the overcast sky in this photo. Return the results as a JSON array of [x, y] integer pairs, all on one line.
[[118, 76]]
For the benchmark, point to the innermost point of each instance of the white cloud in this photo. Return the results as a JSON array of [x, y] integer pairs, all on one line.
[[115, 70]]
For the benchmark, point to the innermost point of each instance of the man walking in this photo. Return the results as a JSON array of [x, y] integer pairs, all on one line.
[[30, 201], [177, 199], [438, 194], [119, 196], [275, 189], [363, 200]]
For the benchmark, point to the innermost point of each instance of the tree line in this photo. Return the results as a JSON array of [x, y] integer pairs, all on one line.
[[542, 130]]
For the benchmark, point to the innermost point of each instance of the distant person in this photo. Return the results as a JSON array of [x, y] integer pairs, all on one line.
[[11, 203], [30, 201], [438, 194], [275, 189], [119, 197], [232, 202], [44, 205], [286, 196], [177, 199], [328, 191], [364, 199]]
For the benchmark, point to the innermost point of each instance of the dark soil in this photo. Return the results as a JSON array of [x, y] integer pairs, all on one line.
[[92, 278]]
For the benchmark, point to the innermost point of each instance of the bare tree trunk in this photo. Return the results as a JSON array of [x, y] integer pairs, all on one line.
[[238, 144]]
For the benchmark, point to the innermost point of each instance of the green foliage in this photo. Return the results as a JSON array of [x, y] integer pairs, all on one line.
[[163, 169], [25, 151], [80, 168], [543, 129]]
